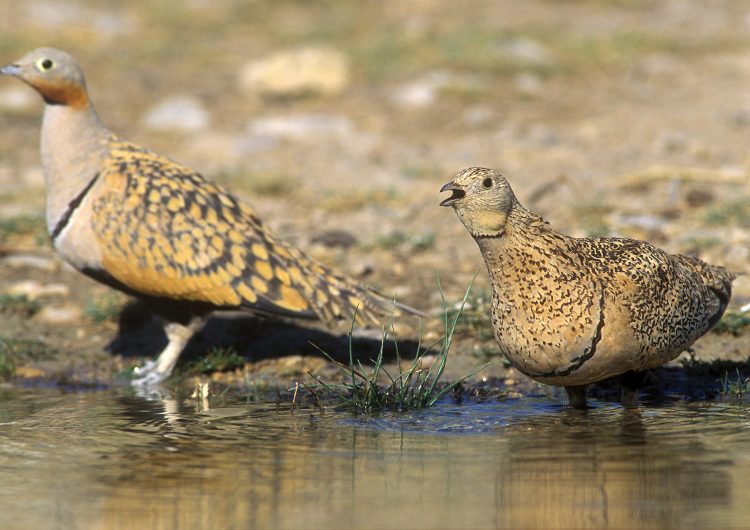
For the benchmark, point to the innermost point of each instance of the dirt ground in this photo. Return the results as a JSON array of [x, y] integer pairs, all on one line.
[[608, 118]]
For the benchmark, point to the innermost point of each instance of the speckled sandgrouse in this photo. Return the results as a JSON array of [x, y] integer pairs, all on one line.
[[155, 229], [572, 311]]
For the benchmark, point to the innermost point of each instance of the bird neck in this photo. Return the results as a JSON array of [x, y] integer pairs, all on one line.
[[72, 145], [522, 230]]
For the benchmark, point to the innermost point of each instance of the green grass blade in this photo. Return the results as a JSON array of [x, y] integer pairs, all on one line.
[[449, 330]]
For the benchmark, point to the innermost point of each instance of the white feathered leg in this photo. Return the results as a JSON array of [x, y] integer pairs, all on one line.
[[154, 372]]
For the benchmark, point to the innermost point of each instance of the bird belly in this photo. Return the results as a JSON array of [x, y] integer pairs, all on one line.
[[78, 246], [569, 346]]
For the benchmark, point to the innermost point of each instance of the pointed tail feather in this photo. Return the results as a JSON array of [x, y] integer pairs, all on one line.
[[336, 297]]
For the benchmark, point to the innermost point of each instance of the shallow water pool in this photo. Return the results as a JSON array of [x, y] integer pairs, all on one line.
[[109, 459]]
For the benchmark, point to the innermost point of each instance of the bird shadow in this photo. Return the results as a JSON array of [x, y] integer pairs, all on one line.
[[140, 334], [690, 381]]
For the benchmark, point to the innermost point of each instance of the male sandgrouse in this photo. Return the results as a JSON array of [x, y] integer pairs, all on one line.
[[148, 226], [572, 311]]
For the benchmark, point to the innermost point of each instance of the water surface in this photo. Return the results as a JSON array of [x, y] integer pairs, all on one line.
[[113, 460]]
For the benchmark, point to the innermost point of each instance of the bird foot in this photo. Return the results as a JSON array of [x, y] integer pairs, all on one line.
[[628, 398], [148, 375]]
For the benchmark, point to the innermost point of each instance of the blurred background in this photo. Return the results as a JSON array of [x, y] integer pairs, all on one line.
[[339, 122]]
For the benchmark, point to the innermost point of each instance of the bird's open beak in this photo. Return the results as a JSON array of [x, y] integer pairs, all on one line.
[[457, 195], [10, 69]]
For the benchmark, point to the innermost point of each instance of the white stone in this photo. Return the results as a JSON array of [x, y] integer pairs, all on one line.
[[642, 221], [59, 315], [528, 83], [479, 115], [526, 50], [425, 90], [26, 288], [178, 113], [308, 70], [301, 126], [421, 92], [23, 261], [107, 22], [33, 289]]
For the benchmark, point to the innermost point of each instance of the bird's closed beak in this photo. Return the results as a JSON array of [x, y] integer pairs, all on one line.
[[10, 69], [457, 195]]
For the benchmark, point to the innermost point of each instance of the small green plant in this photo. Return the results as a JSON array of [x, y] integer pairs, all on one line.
[[415, 387], [592, 217], [24, 225], [736, 388], [18, 304], [733, 321], [105, 307], [7, 361], [414, 242], [735, 211], [420, 172], [217, 359], [706, 242], [12, 351], [705, 374], [351, 200]]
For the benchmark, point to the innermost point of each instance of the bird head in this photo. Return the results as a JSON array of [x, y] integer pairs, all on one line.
[[54, 74], [482, 199]]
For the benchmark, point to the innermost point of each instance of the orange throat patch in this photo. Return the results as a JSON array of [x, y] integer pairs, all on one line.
[[71, 95]]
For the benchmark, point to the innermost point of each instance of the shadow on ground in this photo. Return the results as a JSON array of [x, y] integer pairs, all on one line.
[[256, 338]]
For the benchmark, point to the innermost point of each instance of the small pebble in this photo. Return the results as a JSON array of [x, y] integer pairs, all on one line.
[[179, 113], [23, 261], [59, 314], [33, 289], [307, 70]]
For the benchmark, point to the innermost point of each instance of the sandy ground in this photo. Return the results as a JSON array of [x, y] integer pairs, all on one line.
[[607, 117]]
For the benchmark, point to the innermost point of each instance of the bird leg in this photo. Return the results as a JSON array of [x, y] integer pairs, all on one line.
[[628, 397], [154, 372], [577, 396], [629, 383]]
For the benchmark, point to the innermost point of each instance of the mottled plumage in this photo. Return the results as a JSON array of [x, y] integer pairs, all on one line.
[[573, 311], [158, 230]]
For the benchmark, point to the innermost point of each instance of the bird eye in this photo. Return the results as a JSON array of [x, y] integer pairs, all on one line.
[[45, 64], [487, 183]]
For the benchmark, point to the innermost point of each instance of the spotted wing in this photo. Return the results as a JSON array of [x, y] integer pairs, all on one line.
[[167, 232], [673, 299]]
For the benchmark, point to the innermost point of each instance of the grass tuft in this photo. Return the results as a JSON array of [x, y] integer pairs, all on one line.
[[19, 304], [410, 242], [7, 361], [735, 211], [414, 387], [733, 322], [592, 218], [217, 359], [13, 351], [352, 200], [735, 388], [25, 226], [104, 307]]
